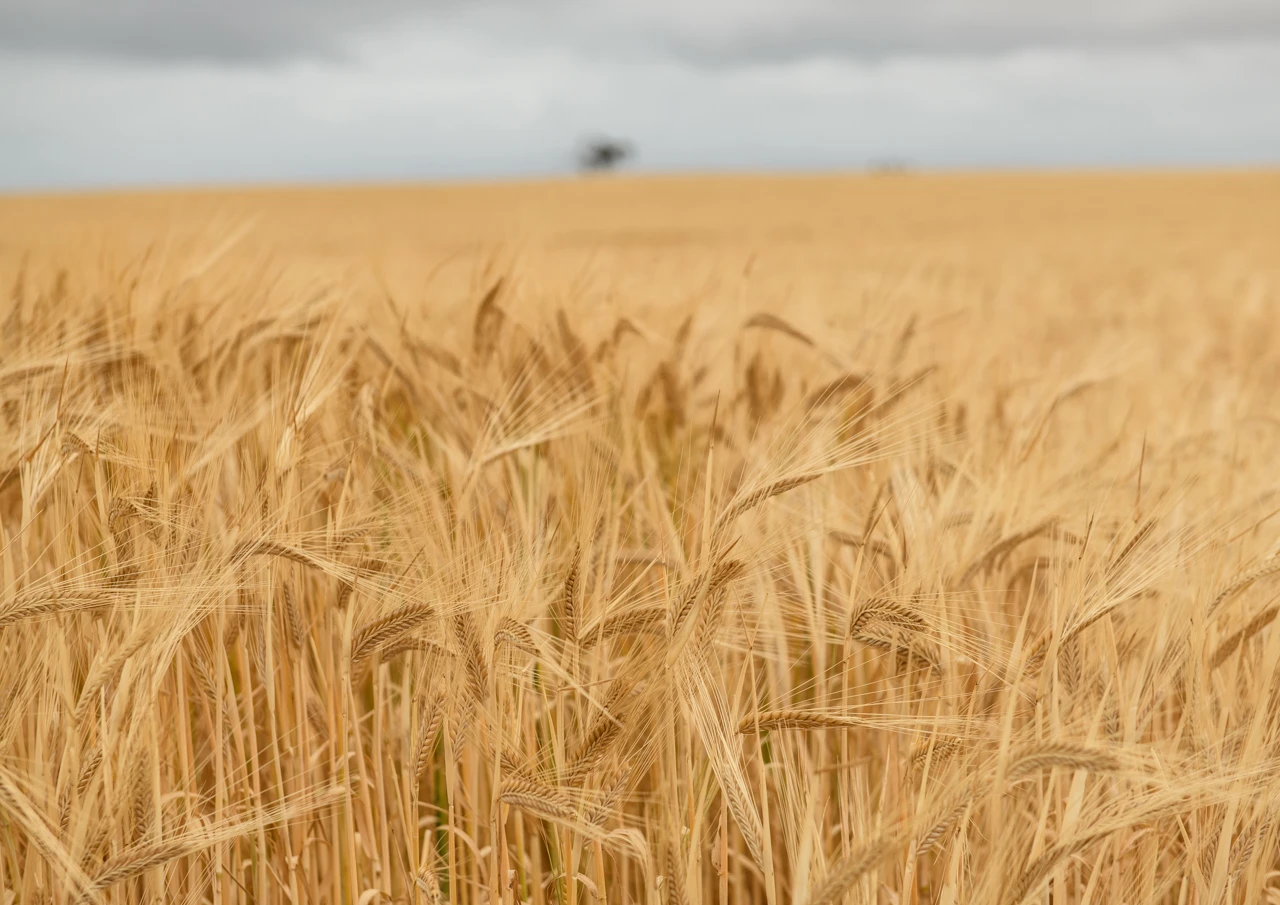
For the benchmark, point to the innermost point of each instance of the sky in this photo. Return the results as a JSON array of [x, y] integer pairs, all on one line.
[[117, 93]]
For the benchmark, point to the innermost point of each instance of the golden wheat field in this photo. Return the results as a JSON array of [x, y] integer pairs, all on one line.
[[891, 540]]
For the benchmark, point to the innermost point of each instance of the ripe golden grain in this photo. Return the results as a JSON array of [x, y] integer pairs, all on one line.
[[225, 449], [637, 621], [391, 627], [535, 798], [1241, 582]]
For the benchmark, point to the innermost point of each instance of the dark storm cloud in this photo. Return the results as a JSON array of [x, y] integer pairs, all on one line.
[[698, 31]]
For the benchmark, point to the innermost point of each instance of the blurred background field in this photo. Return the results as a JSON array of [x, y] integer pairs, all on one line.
[[1157, 272]]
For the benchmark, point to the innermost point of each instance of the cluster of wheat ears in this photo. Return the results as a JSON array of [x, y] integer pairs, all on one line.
[[305, 603]]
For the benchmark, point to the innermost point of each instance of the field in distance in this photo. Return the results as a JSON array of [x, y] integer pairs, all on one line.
[[880, 539]]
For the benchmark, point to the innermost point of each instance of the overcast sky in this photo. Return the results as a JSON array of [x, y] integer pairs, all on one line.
[[145, 92]]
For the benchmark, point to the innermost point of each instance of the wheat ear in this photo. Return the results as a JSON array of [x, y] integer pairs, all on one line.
[[1242, 581], [388, 628], [850, 869], [536, 799]]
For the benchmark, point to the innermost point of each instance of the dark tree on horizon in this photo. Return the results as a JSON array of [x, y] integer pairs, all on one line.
[[601, 154]]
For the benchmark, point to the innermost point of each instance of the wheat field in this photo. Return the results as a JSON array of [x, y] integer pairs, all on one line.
[[901, 539]]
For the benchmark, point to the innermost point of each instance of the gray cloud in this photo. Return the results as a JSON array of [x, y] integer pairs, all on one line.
[[165, 30], [704, 32], [442, 105], [147, 92], [727, 31]]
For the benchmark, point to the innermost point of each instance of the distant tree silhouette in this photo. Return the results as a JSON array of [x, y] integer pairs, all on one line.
[[887, 166], [601, 154]]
